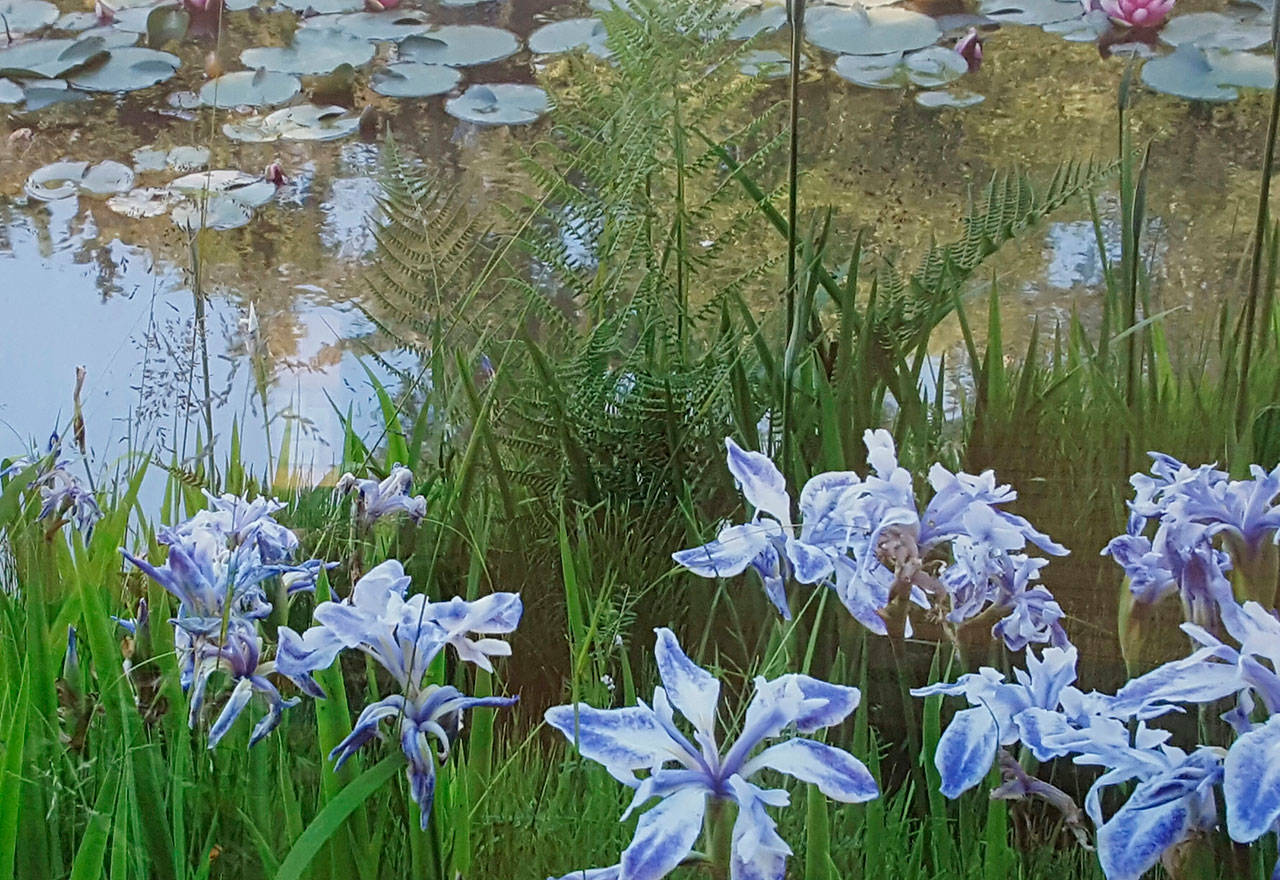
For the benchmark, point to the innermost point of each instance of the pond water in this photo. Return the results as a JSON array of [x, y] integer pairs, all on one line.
[[82, 283]]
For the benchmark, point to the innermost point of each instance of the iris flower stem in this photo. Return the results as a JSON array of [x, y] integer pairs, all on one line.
[[719, 838]]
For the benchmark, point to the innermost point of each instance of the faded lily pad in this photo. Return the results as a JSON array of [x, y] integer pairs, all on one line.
[[394, 25], [878, 31], [570, 34], [10, 92], [187, 158], [59, 180], [872, 71], [150, 201], [312, 51], [409, 79], [766, 20], [500, 104], [253, 88], [935, 66], [957, 99], [767, 63], [461, 45], [1084, 29], [1213, 30], [107, 178], [125, 70], [219, 212], [25, 16], [248, 189], [303, 122]]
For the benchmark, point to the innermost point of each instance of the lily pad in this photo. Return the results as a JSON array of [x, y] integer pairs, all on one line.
[[10, 92], [312, 52], [409, 79], [302, 122], [872, 71], [25, 16], [570, 34], [460, 45], [394, 25], [1243, 69], [248, 189], [59, 180], [126, 70], [253, 88], [935, 66], [150, 201], [1187, 73], [323, 7], [43, 93], [1213, 30], [1031, 12], [763, 21], [878, 31], [499, 104], [50, 59], [218, 212], [766, 63], [957, 99], [107, 179], [1084, 29], [187, 158]]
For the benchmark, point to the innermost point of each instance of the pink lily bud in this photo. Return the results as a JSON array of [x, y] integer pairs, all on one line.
[[1146, 14], [380, 5], [969, 48], [275, 174]]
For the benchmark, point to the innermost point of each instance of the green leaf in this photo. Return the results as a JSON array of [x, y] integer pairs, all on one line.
[[330, 819]]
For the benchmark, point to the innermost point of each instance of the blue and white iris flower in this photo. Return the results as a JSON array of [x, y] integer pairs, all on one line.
[[968, 747], [870, 541], [693, 778], [217, 564], [404, 635], [390, 497]]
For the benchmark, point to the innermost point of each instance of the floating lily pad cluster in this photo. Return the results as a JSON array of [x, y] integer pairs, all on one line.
[[37, 73]]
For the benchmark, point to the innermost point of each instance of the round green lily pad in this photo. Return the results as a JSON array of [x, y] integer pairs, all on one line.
[[570, 34], [107, 179], [312, 51], [394, 25], [499, 104], [1030, 12], [218, 212], [25, 16], [460, 45], [10, 92], [323, 7], [877, 31], [187, 158], [1213, 30], [1187, 73], [409, 79], [253, 88], [126, 70], [762, 21]]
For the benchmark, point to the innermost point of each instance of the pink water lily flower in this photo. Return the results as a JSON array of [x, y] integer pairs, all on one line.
[[1137, 13]]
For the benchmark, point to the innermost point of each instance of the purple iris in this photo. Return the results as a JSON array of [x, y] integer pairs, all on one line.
[[690, 774]]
